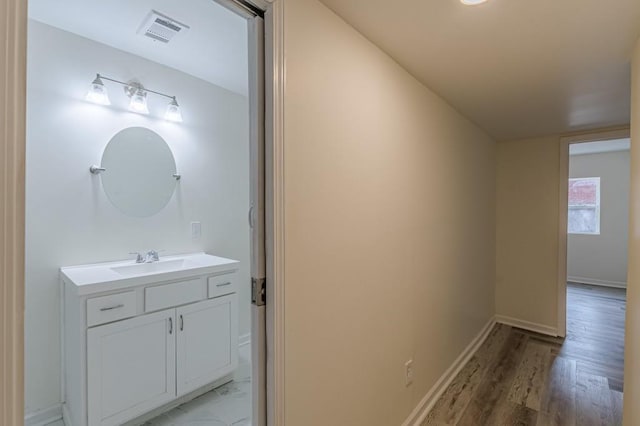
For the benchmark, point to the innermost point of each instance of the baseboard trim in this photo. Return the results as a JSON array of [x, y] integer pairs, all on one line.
[[592, 281], [66, 416], [44, 417], [421, 411], [244, 340], [531, 326]]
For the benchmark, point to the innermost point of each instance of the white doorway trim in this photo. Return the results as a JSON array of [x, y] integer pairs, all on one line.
[[274, 203], [565, 142], [275, 213]]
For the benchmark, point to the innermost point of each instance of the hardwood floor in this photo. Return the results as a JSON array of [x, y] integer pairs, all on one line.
[[518, 377]]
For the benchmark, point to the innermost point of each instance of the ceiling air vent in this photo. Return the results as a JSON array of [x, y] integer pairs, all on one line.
[[160, 27]]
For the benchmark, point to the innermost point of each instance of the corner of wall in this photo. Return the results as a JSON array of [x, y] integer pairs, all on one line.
[[631, 413]]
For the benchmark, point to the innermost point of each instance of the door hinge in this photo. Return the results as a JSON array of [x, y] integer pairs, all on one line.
[[258, 291]]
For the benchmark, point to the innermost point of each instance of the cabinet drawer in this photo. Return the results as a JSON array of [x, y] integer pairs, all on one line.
[[111, 308], [222, 284], [174, 294]]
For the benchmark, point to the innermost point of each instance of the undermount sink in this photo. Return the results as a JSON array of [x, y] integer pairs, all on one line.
[[117, 275], [151, 268]]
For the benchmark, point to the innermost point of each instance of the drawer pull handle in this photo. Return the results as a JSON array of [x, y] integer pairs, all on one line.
[[223, 284], [110, 308], [181, 323], [170, 325]]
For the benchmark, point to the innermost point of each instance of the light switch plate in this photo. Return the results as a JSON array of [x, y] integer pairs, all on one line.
[[196, 230]]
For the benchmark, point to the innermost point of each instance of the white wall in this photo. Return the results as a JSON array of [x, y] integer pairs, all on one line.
[[390, 228], [602, 259], [69, 218]]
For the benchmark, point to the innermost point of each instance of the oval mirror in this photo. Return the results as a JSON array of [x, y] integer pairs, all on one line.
[[139, 172]]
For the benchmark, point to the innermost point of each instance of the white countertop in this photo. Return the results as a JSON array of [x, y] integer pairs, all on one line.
[[108, 276]]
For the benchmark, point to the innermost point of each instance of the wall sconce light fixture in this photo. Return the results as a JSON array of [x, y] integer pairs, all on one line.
[[138, 97], [98, 92], [137, 93], [173, 111]]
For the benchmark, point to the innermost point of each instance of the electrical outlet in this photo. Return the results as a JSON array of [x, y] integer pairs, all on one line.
[[408, 372], [196, 230]]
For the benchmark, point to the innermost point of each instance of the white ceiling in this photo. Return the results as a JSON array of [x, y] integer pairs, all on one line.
[[213, 49], [598, 147], [517, 68]]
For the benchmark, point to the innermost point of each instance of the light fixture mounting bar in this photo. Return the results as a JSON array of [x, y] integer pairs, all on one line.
[[129, 85]]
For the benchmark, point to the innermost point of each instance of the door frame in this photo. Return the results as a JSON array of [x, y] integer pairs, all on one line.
[[275, 73], [13, 77], [274, 205], [565, 142], [13, 49]]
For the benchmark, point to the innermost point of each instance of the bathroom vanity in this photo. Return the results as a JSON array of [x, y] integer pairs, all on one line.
[[140, 336]]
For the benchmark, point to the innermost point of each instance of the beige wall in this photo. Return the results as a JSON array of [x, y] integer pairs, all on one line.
[[632, 341], [527, 225], [602, 258], [390, 228], [527, 197]]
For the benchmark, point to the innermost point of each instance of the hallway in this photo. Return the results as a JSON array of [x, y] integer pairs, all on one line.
[[522, 378]]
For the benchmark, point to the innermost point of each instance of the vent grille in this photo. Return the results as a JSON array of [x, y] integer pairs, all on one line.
[[160, 27]]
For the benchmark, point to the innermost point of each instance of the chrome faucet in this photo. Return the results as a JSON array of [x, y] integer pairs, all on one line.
[[150, 257]]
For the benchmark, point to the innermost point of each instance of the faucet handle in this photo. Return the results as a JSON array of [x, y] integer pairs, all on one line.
[[153, 255], [139, 257]]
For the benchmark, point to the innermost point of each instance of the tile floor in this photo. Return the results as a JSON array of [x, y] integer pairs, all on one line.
[[228, 405]]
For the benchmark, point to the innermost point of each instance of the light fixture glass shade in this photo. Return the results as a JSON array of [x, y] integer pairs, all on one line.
[[473, 2], [139, 102], [98, 92], [173, 112]]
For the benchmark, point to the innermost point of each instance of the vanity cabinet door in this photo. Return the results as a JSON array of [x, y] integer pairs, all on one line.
[[130, 367], [207, 342]]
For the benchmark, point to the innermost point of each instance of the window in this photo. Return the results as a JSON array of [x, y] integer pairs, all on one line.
[[584, 206]]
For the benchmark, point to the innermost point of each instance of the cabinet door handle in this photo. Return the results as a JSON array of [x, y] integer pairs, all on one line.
[[181, 323], [170, 325], [110, 308], [223, 284]]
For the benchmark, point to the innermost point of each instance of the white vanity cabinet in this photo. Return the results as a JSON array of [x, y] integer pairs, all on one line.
[[205, 351], [130, 367], [143, 342]]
